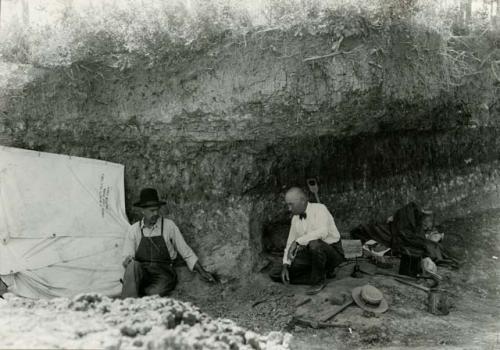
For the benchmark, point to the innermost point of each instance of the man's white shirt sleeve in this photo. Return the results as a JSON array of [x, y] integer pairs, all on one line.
[[182, 248], [291, 238]]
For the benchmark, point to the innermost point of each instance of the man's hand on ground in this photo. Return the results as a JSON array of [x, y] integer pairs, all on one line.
[[285, 276], [127, 260], [206, 276]]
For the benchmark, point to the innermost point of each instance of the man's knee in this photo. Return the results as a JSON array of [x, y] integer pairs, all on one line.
[[316, 245], [133, 271], [131, 280], [162, 288]]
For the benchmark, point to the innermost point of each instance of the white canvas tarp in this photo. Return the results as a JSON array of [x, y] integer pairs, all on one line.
[[62, 224]]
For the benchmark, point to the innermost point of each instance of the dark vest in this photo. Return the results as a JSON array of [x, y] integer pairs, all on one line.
[[153, 249]]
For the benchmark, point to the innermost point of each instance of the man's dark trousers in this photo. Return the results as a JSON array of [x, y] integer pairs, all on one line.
[[312, 263]]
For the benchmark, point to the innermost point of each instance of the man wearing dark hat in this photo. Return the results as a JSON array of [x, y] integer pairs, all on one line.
[[150, 247]]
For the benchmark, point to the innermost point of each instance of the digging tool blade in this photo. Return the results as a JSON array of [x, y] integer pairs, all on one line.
[[313, 187]]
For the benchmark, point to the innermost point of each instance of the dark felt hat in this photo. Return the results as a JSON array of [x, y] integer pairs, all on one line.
[[148, 198]]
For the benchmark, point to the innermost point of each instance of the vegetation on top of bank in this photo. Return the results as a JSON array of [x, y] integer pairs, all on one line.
[[159, 31]]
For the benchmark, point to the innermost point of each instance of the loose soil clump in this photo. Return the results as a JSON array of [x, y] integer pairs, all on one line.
[[96, 321]]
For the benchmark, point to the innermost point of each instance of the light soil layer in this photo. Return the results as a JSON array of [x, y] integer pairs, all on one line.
[[473, 292]]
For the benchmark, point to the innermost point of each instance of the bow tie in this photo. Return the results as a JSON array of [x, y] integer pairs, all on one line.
[[302, 216]]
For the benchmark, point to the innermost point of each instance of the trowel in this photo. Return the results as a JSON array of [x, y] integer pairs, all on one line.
[[313, 187]]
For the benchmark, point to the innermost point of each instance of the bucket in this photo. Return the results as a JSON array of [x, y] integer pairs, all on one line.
[[438, 303]]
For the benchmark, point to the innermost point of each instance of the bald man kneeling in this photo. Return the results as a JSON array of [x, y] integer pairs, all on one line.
[[313, 248]]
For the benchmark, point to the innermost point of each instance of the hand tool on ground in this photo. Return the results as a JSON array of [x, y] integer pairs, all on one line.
[[302, 302], [415, 285], [386, 273], [378, 271], [271, 298], [265, 300], [298, 321], [313, 187], [330, 314]]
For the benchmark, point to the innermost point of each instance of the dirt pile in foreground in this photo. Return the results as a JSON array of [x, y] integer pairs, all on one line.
[[95, 321]]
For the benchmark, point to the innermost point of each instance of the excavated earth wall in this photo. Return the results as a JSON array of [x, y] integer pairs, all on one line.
[[378, 116]]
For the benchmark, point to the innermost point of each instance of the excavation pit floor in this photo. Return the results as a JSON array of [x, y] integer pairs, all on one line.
[[473, 292], [258, 313]]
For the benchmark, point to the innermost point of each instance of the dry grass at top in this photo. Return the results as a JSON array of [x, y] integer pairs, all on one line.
[[157, 29]]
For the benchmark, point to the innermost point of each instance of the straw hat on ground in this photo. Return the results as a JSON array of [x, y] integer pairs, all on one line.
[[370, 298]]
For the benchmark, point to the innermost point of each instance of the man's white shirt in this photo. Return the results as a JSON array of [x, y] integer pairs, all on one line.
[[318, 224]]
